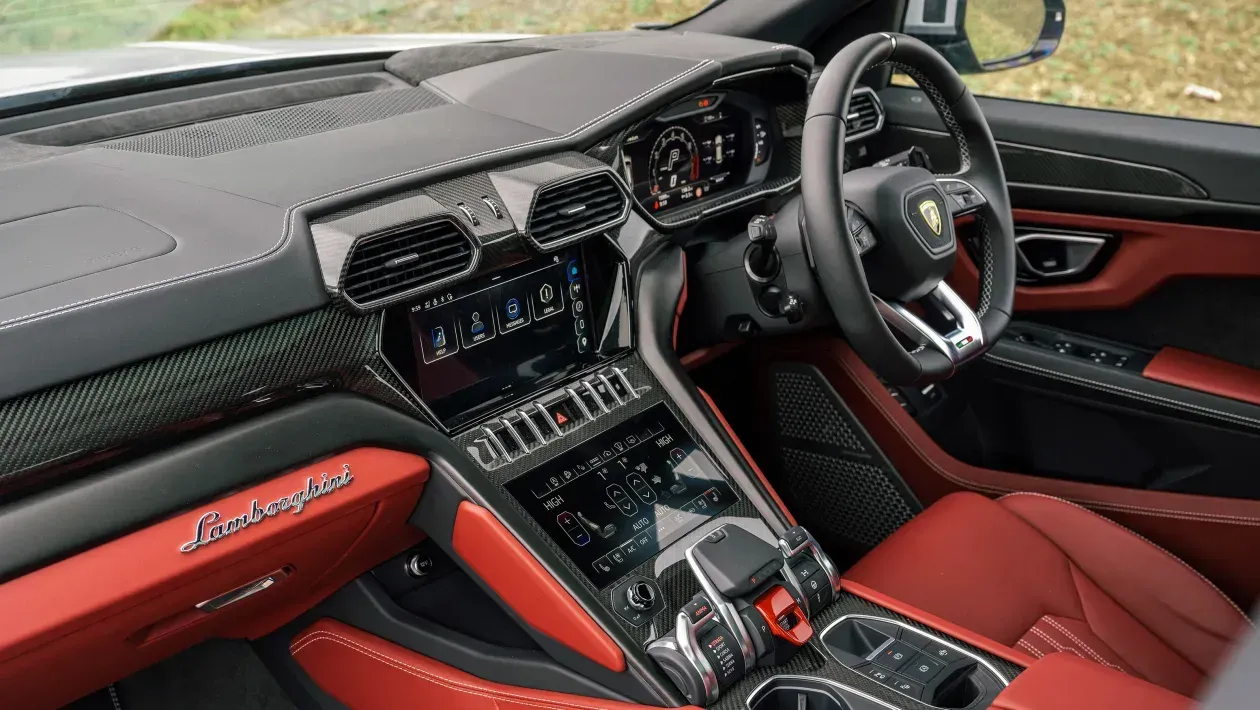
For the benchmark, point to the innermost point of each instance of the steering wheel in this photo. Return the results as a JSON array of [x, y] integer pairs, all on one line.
[[893, 273]]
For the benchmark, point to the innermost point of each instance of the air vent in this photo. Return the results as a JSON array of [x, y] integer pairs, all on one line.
[[574, 209], [386, 266], [866, 116]]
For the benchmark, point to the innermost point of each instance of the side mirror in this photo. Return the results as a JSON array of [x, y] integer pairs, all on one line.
[[979, 36]]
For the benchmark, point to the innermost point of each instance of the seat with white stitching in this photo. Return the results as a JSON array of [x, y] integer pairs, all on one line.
[[1042, 575]]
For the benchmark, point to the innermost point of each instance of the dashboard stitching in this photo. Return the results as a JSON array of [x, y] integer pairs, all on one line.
[[291, 211]]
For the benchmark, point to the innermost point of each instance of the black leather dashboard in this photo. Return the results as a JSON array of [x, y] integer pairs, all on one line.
[[238, 216]]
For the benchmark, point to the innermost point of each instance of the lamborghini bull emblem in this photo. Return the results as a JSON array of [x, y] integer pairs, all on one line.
[[932, 215]]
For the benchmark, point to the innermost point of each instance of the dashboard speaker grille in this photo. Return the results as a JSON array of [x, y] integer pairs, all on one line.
[[574, 209], [865, 115], [199, 140], [387, 265]]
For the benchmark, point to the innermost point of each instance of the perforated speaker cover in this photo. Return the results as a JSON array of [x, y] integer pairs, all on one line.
[[838, 483], [199, 140]]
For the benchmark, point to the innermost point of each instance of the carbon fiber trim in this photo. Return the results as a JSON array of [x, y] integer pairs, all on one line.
[[1031, 165], [813, 660], [109, 415], [673, 580]]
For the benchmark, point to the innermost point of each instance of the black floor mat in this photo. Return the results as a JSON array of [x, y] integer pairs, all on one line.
[[213, 675]]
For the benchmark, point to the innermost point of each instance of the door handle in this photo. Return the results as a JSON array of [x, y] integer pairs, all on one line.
[[1051, 255], [245, 591]]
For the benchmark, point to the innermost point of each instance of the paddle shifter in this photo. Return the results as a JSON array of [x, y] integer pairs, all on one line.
[[753, 610]]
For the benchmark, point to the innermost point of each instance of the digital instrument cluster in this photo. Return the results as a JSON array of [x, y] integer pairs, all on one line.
[[615, 501], [701, 147]]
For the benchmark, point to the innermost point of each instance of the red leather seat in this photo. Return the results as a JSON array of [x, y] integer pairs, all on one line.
[[1046, 576]]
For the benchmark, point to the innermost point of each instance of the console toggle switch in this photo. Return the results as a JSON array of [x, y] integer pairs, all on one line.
[[697, 609]]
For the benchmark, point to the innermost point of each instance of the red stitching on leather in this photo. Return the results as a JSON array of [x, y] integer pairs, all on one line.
[[1170, 555], [323, 635]]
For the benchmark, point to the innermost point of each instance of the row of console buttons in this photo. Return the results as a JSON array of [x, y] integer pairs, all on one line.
[[593, 464], [542, 421], [910, 664]]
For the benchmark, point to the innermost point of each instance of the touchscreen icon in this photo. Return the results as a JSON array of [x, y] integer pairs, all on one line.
[[439, 337], [476, 326], [546, 299], [641, 488], [570, 525], [622, 500], [512, 309]]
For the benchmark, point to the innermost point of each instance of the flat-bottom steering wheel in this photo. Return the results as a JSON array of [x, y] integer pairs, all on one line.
[[903, 218]]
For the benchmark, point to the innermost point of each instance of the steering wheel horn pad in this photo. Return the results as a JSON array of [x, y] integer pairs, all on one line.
[[915, 252], [899, 285]]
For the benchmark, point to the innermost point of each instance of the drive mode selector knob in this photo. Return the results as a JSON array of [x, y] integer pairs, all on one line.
[[641, 596]]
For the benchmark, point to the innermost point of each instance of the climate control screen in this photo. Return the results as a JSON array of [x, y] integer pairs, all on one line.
[[618, 499]]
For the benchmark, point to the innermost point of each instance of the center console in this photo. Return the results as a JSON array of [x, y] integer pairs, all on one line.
[[533, 372]]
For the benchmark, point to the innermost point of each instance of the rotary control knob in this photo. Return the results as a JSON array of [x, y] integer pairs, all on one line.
[[641, 596]]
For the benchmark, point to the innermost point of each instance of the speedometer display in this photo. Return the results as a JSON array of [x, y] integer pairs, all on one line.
[[675, 161]]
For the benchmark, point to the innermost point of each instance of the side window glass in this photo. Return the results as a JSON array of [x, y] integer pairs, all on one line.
[[1179, 58]]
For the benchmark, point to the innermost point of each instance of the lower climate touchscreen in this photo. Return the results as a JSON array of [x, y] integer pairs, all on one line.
[[618, 499]]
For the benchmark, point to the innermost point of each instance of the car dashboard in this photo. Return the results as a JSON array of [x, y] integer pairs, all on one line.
[[486, 255]]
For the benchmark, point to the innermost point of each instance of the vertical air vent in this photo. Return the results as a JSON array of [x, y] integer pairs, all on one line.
[[568, 211], [866, 115], [387, 266]]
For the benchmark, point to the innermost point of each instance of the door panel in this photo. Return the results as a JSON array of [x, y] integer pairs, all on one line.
[[1219, 158], [1146, 371], [111, 610], [1215, 535]]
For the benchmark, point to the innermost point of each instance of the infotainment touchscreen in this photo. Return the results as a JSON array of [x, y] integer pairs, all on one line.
[[468, 350], [616, 500]]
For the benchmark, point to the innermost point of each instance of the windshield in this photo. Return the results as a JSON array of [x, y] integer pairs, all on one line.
[[46, 42]]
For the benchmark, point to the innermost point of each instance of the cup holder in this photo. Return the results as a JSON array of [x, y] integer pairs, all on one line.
[[792, 692]]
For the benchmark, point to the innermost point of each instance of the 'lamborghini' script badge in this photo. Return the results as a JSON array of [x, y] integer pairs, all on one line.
[[211, 527], [932, 214]]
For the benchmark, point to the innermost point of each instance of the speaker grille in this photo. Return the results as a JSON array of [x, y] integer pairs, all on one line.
[[837, 482], [253, 129]]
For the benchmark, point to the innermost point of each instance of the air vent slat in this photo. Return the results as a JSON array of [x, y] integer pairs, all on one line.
[[573, 208], [408, 259], [864, 114]]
